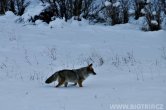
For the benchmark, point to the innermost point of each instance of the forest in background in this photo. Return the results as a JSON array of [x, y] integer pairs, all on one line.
[[110, 12]]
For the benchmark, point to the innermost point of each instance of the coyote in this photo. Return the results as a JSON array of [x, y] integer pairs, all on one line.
[[75, 76]]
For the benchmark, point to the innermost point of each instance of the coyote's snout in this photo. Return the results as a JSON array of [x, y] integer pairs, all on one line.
[[75, 76]]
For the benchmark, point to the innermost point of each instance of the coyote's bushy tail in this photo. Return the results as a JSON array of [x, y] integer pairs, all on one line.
[[52, 78]]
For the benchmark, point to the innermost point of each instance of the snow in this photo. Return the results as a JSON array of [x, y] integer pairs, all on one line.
[[33, 10], [154, 13], [57, 23], [148, 1], [140, 22], [38, 22], [154, 22], [107, 3], [130, 65], [116, 4], [9, 13], [143, 11], [131, 11], [61, 23]]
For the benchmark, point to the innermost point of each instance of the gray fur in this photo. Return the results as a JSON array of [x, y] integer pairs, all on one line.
[[74, 76]]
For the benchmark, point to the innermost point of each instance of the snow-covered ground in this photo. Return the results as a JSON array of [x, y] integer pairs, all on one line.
[[130, 65]]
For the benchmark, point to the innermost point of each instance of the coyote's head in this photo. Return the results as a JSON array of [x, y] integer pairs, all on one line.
[[90, 69]]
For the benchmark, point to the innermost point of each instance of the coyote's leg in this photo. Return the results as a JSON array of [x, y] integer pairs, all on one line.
[[75, 84], [80, 83], [66, 83], [60, 82]]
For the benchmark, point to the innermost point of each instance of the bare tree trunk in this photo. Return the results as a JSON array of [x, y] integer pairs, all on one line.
[[3, 6]]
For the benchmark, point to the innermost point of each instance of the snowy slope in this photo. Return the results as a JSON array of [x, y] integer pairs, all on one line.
[[130, 65]]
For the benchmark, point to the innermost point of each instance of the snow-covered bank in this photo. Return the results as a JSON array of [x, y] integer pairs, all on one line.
[[130, 65]]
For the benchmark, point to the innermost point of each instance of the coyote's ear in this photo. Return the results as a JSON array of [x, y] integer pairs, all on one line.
[[90, 65]]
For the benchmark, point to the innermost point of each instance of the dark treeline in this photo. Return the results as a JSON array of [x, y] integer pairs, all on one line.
[[110, 11]]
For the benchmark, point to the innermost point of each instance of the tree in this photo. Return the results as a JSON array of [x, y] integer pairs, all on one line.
[[21, 6], [16, 6], [3, 6], [70, 8], [153, 15], [139, 5], [117, 10]]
